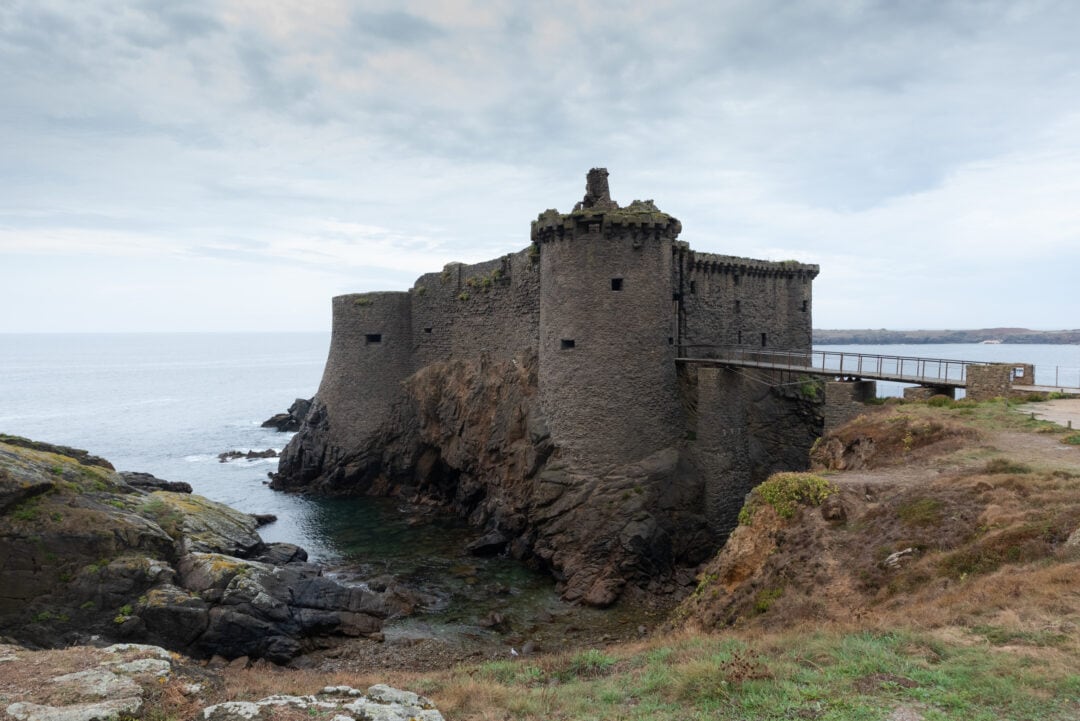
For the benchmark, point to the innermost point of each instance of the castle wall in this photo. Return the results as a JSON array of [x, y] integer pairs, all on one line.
[[728, 301], [607, 354], [370, 354], [490, 308]]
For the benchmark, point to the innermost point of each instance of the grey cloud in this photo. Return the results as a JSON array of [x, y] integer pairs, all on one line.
[[171, 22], [275, 88], [395, 27]]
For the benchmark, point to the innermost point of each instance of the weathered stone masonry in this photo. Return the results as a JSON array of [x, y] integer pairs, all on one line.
[[594, 420]]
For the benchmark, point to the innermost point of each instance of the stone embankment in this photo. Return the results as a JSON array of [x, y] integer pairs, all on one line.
[[88, 553]]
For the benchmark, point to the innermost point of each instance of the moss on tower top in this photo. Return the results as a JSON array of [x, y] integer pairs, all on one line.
[[598, 205]]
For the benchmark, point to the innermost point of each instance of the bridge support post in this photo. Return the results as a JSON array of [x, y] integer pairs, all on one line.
[[922, 393], [845, 400], [723, 440]]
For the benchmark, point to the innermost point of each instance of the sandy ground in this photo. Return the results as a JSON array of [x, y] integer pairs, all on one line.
[[1061, 411]]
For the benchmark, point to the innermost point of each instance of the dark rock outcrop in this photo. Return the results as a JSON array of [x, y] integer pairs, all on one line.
[[246, 455], [148, 482], [87, 551], [291, 419], [469, 436]]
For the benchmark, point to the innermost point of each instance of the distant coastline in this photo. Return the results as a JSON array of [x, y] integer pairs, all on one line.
[[982, 335]]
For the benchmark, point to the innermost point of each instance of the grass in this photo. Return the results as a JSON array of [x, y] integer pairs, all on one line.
[[921, 512], [825, 674]]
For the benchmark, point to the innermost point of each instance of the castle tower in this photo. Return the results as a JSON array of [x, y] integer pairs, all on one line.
[[607, 327], [370, 354]]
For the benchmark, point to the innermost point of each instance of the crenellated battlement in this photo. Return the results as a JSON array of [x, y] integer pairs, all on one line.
[[640, 221], [735, 265]]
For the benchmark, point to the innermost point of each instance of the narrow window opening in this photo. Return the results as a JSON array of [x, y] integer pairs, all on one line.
[[738, 306], [804, 305], [670, 340], [739, 338], [616, 283], [373, 337], [736, 279], [762, 340], [693, 287], [428, 329], [676, 296], [566, 343]]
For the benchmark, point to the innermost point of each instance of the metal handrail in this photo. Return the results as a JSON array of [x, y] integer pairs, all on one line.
[[842, 362]]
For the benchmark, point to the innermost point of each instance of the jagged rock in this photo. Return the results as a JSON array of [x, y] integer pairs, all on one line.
[[114, 686], [82, 457], [895, 560], [263, 519], [291, 420], [479, 445], [380, 703], [247, 455], [93, 557], [207, 526], [833, 510], [278, 554], [149, 482], [13, 492], [491, 543]]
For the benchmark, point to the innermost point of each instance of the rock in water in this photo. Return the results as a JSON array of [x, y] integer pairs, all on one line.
[[290, 420], [148, 482]]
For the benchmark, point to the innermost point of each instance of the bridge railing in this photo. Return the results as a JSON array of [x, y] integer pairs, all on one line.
[[843, 363]]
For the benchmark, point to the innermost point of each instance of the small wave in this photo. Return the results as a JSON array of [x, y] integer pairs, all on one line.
[[199, 458]]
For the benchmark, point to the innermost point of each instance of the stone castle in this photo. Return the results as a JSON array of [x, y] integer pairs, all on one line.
[[565, 352]]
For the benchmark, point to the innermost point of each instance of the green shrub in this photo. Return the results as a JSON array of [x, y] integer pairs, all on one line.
[[785, 492], [763, 601], [1072, 440]]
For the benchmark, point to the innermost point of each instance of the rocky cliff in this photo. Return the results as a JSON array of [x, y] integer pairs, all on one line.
[[85, 551], [913, 514], [470, 436]]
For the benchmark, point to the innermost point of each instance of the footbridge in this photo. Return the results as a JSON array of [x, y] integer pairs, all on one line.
[[980, 379]]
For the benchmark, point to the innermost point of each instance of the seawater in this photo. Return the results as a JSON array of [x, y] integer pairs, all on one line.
[[1055, 364], [168, 404]]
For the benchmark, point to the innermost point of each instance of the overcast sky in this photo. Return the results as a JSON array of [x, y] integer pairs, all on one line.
[[233, 164]]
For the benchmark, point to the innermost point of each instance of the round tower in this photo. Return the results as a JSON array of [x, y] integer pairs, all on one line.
[[370, 354], [607, 327]]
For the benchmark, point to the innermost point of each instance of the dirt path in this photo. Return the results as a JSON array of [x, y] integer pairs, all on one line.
[[1038, 450], [1062, 411]]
